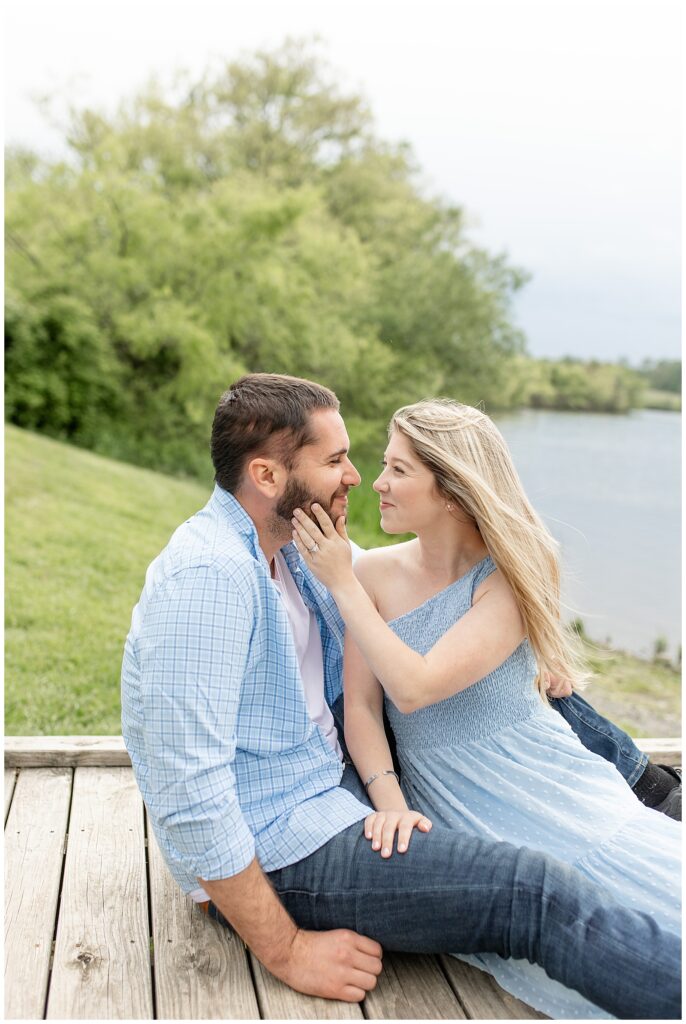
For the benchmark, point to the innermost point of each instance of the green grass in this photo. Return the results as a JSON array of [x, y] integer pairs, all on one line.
[[80, 533], [81, 530], [643, 697]]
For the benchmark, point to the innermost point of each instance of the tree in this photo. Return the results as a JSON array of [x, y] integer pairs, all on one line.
[[663, 374], [249, 220]]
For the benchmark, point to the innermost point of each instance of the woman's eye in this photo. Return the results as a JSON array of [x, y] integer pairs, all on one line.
[[399, 471]]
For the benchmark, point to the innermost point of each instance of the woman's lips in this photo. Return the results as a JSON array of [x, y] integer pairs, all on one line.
[[385, 504]]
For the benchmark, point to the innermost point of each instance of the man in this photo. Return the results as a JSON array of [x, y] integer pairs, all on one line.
[[231, 676]]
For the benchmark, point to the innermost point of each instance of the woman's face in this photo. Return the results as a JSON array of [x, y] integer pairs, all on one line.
[[409, 499]]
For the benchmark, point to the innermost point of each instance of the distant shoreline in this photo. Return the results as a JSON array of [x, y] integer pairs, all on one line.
[[672, 404]]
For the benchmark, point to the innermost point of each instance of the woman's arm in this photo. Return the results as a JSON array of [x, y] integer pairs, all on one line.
[[478, 642], [365, 737]]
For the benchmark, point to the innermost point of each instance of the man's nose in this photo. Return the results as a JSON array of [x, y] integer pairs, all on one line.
[[351, 476]]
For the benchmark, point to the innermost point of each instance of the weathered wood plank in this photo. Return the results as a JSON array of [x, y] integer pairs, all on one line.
[[34, 841], [201, 969], [279, 1002], [412, 987], [71, 751], [65, 751], [101, 967], [661, 751], [482, 996], [10, 779]]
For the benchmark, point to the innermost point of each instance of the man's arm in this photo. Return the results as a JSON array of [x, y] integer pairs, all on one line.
[[194, 654], [336, 964]]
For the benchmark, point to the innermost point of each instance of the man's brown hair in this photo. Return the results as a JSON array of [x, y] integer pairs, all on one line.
[[265, 414]]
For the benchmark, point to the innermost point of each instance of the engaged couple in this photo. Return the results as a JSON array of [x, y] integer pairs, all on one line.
[[339, 760]]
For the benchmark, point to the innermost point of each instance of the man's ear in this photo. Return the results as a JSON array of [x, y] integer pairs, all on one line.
[[265, 476]]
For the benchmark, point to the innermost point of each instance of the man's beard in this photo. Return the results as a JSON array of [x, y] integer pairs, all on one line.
[[296, 495]]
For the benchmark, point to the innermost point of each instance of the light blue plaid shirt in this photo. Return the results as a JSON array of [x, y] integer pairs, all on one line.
[[227, 759]]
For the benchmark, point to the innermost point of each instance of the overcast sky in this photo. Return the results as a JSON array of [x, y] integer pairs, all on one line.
[[554, 123]]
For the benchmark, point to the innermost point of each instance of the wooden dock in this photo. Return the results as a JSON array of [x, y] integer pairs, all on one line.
[[96, 928]]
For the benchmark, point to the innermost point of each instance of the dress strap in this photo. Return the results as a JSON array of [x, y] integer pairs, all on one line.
[[482, 571]]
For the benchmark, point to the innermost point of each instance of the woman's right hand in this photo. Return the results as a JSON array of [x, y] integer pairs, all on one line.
[[382, 826]]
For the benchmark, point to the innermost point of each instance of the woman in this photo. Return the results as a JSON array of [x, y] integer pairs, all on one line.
[[460, 628]]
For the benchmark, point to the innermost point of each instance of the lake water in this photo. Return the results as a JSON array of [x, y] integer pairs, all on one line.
[[609, 489]]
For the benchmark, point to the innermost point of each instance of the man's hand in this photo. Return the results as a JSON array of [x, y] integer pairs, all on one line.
[[336, 964], [556, 686]]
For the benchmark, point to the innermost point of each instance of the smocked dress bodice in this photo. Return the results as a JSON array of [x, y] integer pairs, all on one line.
[[506, 695]]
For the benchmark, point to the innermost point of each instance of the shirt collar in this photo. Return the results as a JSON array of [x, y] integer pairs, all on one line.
[[239, 520]]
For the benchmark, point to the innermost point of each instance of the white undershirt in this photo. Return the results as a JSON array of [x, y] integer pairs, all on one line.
[[308, 647]]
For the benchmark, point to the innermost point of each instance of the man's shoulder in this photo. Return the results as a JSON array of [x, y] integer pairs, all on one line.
[[206, 544]]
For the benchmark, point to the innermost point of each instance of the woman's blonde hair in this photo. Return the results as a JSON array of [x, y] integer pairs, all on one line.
[[472, 466]]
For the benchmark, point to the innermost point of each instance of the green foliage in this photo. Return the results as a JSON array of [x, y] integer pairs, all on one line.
[[577, 626], [246, 221], [662, 374], [575, 385], [660, 648]]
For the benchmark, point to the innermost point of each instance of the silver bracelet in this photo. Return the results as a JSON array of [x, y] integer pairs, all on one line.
[[387, 771]]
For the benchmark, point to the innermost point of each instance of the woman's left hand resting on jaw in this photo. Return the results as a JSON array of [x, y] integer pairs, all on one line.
[[332, 561]]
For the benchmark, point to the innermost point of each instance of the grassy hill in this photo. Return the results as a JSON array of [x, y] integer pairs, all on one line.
[[80, 532]]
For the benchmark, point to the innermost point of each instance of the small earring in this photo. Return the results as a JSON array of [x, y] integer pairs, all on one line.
[[449, 508]]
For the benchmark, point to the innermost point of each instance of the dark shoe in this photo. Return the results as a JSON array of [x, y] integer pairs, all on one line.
[[671, 805]]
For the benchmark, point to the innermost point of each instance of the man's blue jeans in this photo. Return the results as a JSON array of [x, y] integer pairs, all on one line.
[[602, 737], [453, 893]]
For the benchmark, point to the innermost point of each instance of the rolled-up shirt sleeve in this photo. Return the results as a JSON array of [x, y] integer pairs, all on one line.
[[193, 650]]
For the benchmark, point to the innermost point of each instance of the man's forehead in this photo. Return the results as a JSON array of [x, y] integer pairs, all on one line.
[[329, 435]]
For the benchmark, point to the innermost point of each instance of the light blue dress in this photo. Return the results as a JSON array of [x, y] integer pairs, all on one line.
[[498, 762]]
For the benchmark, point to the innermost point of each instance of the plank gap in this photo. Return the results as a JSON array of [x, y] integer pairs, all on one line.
[[10, 785], [151, 946], [455, 989], [59, 898], [261, 1009]]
